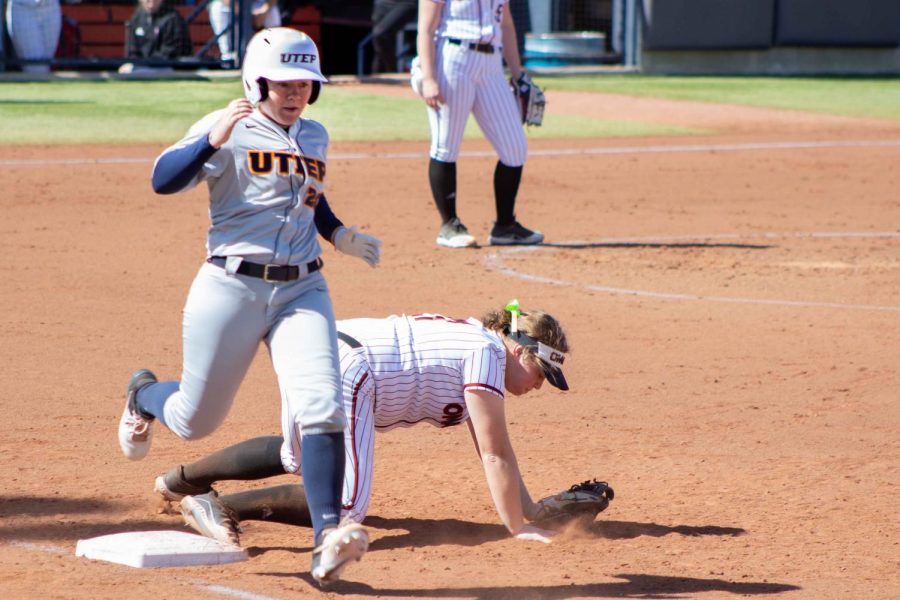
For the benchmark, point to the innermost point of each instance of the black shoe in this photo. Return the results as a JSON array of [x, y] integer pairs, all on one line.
[[514, 234]]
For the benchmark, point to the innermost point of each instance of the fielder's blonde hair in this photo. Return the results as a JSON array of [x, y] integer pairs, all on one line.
[[537, 324]]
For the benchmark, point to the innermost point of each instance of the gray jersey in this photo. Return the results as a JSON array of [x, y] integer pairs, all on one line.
[[264, 183]]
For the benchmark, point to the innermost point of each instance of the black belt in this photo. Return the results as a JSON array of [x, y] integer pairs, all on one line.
[[279, 273], [484, 48], [348, 340]]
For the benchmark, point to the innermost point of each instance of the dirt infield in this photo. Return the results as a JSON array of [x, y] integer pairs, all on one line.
[[733, 301]]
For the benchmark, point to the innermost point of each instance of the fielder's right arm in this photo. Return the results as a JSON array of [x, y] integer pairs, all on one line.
[[487, 423]]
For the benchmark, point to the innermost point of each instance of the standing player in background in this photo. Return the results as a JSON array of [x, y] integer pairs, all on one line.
[[265, 14], [421, 369], [461, 44], [262, 281], [34, 27]]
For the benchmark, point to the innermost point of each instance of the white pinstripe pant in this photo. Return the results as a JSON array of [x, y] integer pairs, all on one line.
[[474, 82], [358, 389]]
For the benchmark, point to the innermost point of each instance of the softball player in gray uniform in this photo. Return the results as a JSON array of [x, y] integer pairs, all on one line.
[[397, 372], [265, 168], [459, 70]]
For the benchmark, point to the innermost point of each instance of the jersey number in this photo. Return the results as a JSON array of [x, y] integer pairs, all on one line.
[[312, 197]]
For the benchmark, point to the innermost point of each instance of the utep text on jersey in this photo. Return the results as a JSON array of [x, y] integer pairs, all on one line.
[[263, 162]]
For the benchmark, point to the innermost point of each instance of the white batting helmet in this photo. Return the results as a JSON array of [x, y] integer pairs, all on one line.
[[280, 54]]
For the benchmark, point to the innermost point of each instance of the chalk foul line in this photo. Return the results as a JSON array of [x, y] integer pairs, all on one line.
[[494, 261], [547, 152]]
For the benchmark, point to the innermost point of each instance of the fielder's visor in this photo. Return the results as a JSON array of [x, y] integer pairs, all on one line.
[[550, 359]]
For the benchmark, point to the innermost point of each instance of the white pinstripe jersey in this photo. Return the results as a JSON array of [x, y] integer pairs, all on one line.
[[422, 364], [473, 20]]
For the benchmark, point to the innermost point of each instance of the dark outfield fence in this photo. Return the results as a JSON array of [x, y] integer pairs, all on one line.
[[771, 36], [662, 36]]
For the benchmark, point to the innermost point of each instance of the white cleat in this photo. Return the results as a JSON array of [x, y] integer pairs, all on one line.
[[341, 546], [172, 487], [135, 430], [208, 516], [160, 487], [454, 234]]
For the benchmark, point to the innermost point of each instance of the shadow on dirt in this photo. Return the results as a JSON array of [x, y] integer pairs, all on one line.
[[580, 245], [65, 530], [37, 506], [623, 530], [62, 519], [434, 532], [633, 586]]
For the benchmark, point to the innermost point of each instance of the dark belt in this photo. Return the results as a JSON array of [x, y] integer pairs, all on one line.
[[348, 340], [278, 273], [484, 48]]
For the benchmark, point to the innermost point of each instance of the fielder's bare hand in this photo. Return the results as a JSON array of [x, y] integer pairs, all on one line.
[[234, 112], [431, 93], [534, 534]]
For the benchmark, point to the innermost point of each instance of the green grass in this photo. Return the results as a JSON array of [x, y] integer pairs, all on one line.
[[355, 116], [106, 111], [161, 111], [101, 112], [877, 98]]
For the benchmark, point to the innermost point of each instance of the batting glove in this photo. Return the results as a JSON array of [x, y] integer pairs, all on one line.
[[352, 242]]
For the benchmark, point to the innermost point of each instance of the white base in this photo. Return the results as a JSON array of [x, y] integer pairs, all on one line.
[[148, 549]]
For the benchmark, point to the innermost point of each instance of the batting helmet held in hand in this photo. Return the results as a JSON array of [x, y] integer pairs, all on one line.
[[280, 54]]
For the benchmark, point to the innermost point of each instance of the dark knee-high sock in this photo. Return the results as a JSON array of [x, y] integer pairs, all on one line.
[[255, 458], [442, 176], [279, 503], [322, 466], [506, 188], [151, 399]]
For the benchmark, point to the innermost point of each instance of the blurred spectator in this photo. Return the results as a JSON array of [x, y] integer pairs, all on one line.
[[265, 14], [389, 17], [156, 31], [34, 27]]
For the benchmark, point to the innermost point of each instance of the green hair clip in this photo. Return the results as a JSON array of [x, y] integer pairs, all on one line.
[[513, 307]]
